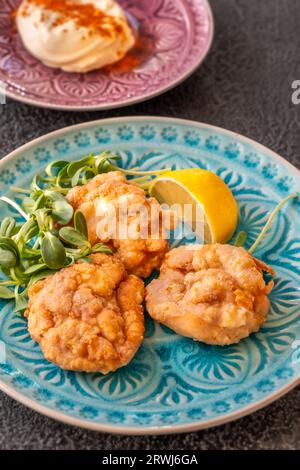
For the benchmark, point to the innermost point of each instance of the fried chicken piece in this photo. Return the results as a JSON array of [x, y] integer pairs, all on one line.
[[211, 293], [140, 251], [88, 317]]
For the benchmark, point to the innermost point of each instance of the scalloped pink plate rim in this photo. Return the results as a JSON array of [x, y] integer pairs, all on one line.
[[131, 101], [169, 429]]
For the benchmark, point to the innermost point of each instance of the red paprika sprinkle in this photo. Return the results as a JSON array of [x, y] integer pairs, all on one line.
[[85, 15]]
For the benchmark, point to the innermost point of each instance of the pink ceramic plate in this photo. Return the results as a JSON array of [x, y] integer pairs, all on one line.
[[179, 33]]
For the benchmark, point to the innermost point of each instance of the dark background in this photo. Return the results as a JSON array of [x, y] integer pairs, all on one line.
[[245, 86]]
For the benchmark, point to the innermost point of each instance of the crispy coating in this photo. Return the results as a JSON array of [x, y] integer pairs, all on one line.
[[88, 317], [211, 293], [139, 253]]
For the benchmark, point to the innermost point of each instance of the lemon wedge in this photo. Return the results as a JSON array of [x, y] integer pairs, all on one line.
[[205, 192]]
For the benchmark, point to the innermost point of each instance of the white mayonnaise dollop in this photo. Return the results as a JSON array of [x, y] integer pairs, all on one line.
[[60, 37]]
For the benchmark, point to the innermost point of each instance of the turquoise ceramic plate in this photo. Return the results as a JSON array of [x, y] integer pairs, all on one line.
[[173, 384]]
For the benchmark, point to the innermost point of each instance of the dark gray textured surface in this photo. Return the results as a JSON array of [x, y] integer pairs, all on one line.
[[244, 86]]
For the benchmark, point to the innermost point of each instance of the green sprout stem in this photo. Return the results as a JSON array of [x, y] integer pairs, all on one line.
[[142, 173], [13, 276], [240, 239], [37, 243], [14, 205], [270, 220], [7, 283], [141, 179], [16, 189]]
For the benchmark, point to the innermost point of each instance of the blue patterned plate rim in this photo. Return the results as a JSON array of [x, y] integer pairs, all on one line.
[[142, 431], [191, 425], [156, 119]]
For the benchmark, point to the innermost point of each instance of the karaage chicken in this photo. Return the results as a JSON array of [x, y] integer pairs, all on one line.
[[211, 293], [140, 251], [88, 317]]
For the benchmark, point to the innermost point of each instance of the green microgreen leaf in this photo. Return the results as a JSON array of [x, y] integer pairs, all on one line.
[[35, 268], [73, 167], [62, 174], [73, 237], [103, 163], [70, 259], [28, 204], [101, 248], [62, 211], [52, 196], [29, 253], [58, 165], [37, 183], [7, 227], [42, 218], [88, 175], [80, 223], [75, 178], [8, 259], [9, 245], [39, 203], [53, 252], [41, 275], [27, 231], [21, 300], [32, 231], [106, 157], [6, 293]]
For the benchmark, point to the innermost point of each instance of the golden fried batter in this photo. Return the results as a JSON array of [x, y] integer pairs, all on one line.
[[88, 317], [139, 254], [211, 293]]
